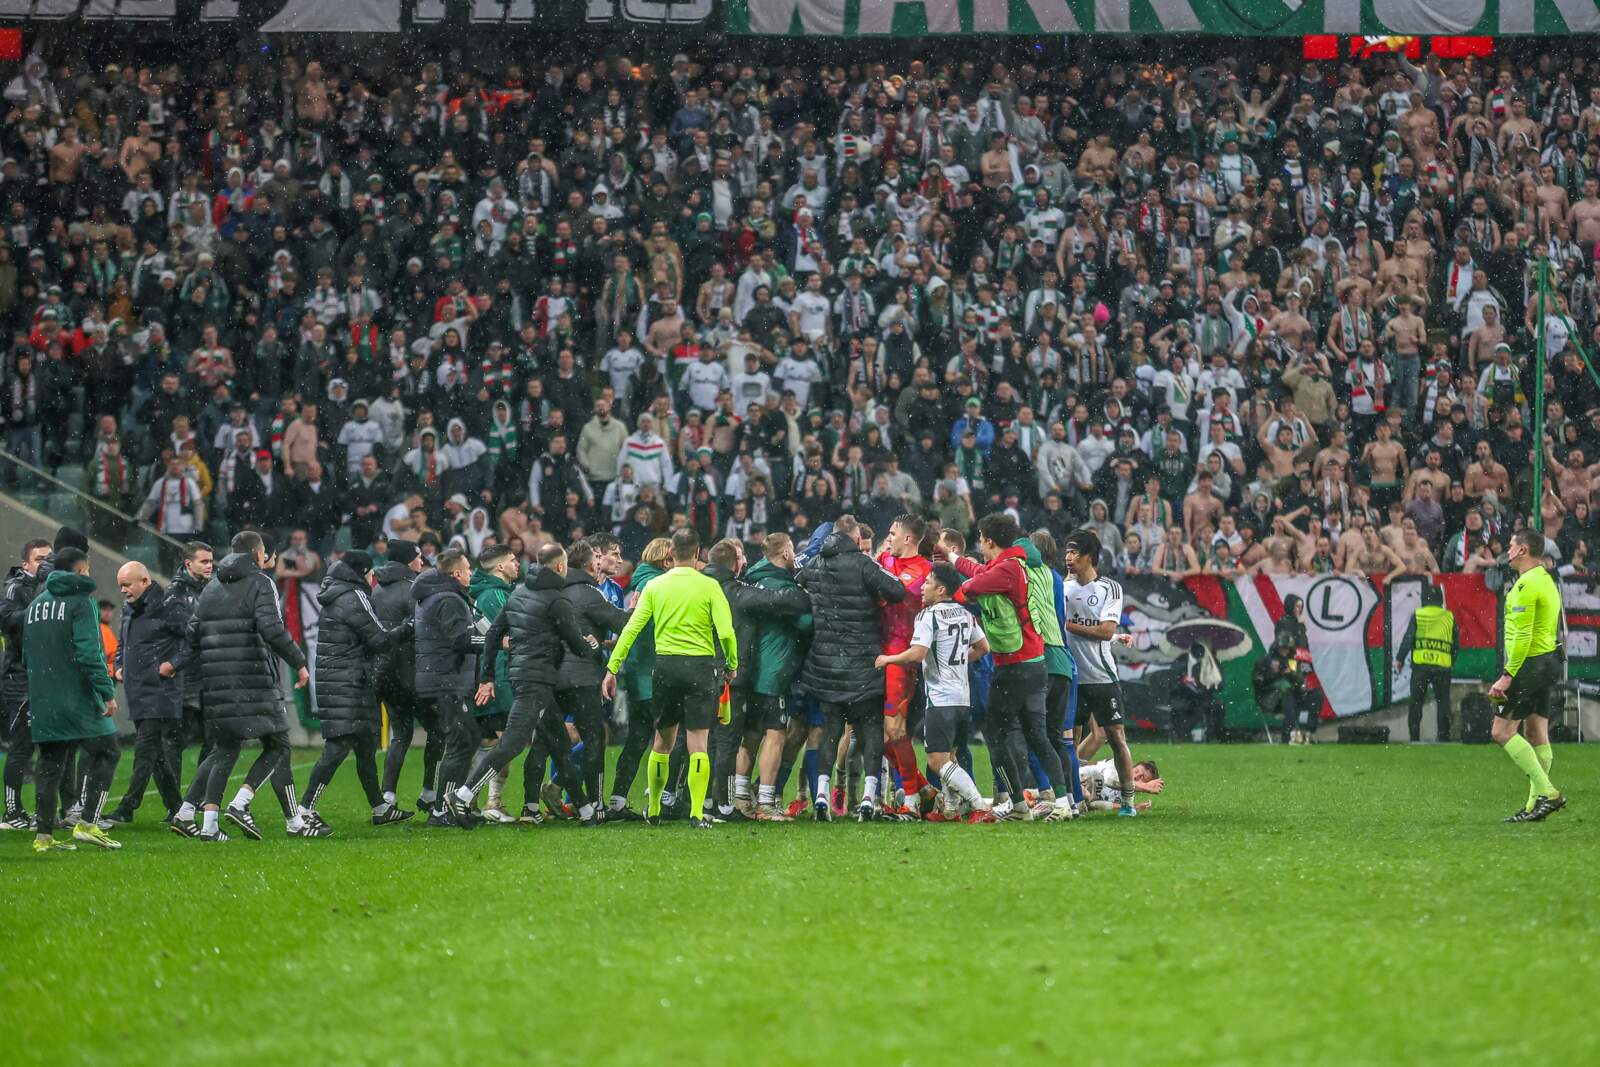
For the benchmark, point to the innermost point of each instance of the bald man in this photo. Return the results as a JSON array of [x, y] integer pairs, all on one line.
[[152, 631]]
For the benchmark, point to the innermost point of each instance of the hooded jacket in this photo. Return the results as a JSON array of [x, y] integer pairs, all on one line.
[[236, 636], [595, 617], [416, 460], [394, 604], [845, 588], [68, 683], [544, 633], [152, 634], [468, 473], [599, 445], [444, 637], [350, 639], [999, 588], [489, 594], [775, 653]]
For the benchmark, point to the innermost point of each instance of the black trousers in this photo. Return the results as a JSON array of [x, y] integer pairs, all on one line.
[[588, 713], [1423, 679], [461, 739], [407, 711], [641, 730], [100, 764], [334, 751], [534, 713], [866, 716], [725, 741], [20, 755], [282, 779], [1058, 708], [157, 753], [74, 776], [1018, 715], [196, 794], [66, 794], [273, 763]]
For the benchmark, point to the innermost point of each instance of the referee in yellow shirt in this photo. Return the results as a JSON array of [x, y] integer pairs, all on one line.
[[1532, 672], [696, 653]]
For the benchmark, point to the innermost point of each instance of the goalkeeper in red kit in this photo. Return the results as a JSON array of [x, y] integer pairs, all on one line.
[[902, 557]]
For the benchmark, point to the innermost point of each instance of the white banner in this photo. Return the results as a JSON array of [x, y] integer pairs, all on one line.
[[1337, 610], [1405, 597], [653, 12], [350, 16]]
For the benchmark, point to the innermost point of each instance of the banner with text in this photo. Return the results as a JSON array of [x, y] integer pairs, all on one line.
[[1250, 18], [363, 16]]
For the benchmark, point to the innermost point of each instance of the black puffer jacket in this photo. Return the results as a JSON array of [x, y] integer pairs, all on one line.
[[750, 605], [236, 636], [444, 637], [845, 588], [595, 617], [394, 604], [152, 634], [544, 632], [182, 595], [21, 588], [349, 641]]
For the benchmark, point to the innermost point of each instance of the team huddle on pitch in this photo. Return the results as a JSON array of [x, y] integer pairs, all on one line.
[[735, 673]]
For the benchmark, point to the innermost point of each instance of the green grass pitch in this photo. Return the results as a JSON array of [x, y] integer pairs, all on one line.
[[1346, 905]]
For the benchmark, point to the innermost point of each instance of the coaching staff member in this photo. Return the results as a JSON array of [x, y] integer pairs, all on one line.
[[846, 587], [153, 624], [236, 636], [392, 599], [545, 635], [446, 660]]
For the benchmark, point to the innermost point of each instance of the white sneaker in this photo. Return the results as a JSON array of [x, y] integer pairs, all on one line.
[[499, 816], [1062, 810]]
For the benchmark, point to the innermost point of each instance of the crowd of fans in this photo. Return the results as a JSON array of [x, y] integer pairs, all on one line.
[[1272, 317]]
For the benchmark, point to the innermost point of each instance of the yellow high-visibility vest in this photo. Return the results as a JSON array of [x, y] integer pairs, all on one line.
[[1435, 630]]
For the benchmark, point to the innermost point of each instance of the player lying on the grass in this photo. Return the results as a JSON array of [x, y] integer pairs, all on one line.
[[945, 638], [1102, 788]]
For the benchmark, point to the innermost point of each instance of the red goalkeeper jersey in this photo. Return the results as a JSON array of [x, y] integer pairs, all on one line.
[[898, 619]]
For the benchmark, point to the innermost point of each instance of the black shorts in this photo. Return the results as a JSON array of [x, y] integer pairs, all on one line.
[[1102, 700], [944, 728], [492, 724], [687, 689], [768, 712], [1531, 688]]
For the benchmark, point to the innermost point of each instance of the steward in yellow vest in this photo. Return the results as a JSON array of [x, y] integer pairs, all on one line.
[[1431, 641]]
